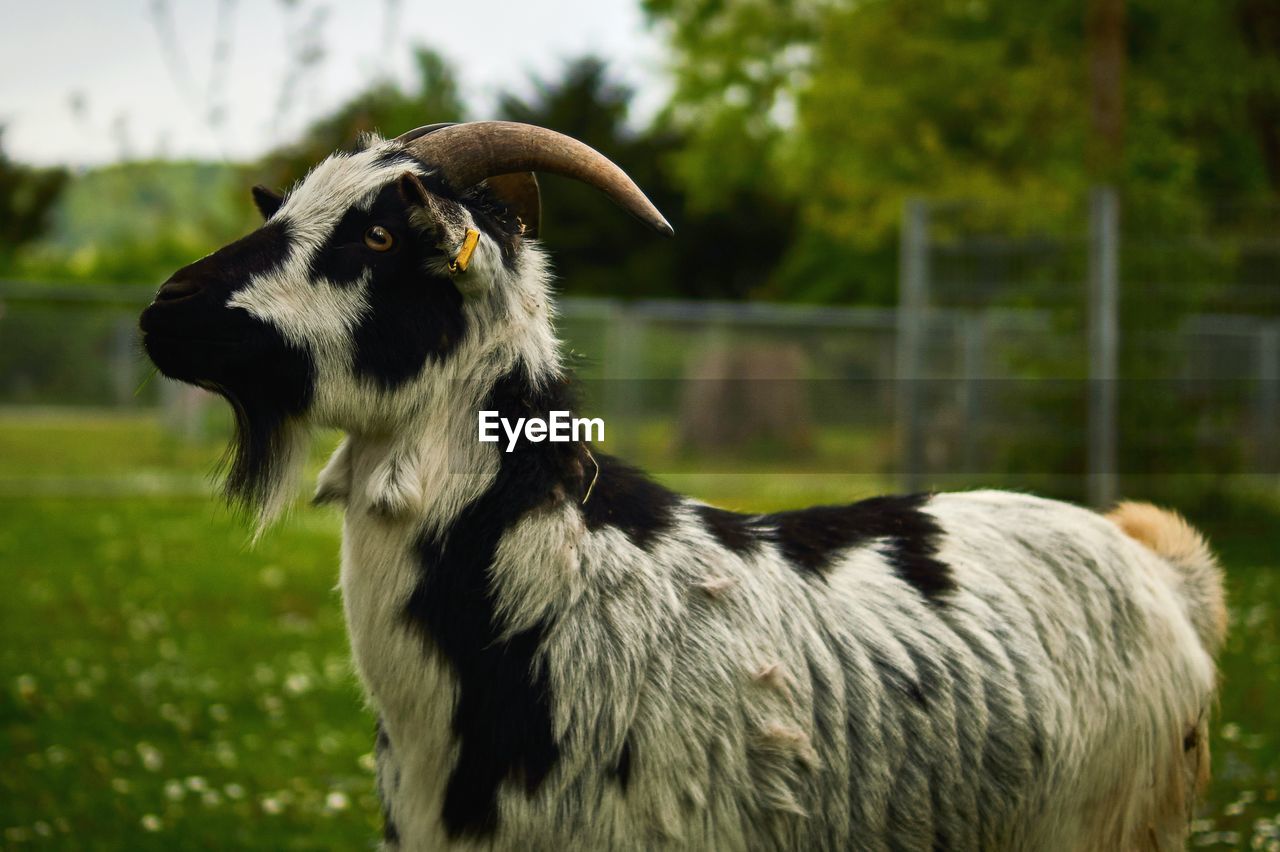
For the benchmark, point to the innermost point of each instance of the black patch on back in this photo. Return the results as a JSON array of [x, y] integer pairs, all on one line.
[[503, 715], [625, 498], [811, 538], [808, 538], [734, 531]]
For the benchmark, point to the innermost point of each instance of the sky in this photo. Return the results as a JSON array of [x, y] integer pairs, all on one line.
[[92, 81]]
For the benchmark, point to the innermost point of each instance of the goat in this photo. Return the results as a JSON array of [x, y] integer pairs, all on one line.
[[564, 654]]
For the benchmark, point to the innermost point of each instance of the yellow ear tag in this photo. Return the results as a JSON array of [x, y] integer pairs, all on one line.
[[459, 263]]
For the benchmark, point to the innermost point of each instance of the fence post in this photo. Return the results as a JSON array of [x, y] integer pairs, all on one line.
[[913, 305], [1104, 342], [973, 365], [1268, 396], [623, 370]]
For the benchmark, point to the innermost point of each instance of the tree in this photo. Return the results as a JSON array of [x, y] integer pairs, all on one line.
[[737, 68], [384, 108], [723, 249], [1258, 22], [856, 106], [27, 199], [597, 250]]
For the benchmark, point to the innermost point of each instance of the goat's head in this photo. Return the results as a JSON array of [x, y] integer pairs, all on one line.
[[385, 278]]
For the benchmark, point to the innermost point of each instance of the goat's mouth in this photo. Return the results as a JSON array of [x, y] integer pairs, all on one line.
[[177, 338], [192, 359], [267, 382], [227, 351], [197, 346]]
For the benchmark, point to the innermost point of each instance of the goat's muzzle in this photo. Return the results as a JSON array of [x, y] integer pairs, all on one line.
[[190, 334], [177, 289]]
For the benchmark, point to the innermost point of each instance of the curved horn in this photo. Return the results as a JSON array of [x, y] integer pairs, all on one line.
[[468, 153]]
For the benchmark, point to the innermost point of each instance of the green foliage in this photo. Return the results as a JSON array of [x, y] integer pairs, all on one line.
[[721, 251], [384, 108], [849, 108], [137, 222], [597, 249], [736, 68], [27, 198], [947, 99]]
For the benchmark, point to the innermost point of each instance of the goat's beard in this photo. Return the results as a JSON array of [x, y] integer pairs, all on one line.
[[264, 461]]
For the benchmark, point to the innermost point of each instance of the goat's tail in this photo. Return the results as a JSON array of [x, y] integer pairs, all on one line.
[[1182, 546], [1197, 580]]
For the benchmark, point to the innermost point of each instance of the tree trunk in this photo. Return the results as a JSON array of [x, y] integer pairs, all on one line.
[[1259, 22], [1105, 35]]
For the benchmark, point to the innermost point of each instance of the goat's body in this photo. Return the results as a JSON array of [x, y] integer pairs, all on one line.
[[713, 697], [566, 656]]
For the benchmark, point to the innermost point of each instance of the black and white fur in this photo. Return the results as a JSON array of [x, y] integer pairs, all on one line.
[[564, 655]]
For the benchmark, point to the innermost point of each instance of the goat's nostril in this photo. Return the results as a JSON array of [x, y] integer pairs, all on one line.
[[181, 288]]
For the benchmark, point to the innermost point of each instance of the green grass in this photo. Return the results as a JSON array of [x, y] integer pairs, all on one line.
[[164, 686], [59, 444], [158, 675]]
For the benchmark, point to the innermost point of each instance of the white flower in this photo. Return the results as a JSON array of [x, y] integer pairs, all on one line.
[[152, 759], [297, 683]]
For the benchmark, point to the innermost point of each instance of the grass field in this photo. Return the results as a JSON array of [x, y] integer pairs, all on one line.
[[164, 686]]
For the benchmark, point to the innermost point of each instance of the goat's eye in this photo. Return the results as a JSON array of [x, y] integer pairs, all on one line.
[[379, 238]]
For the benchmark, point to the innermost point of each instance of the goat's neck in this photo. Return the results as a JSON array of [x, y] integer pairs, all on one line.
[[428, 470]]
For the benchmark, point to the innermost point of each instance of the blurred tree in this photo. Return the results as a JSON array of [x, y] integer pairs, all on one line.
[[27, 199], [597, 251], [737, 68], [1259, 25], [137, 222], [384, 107], [723, 249], [851, 107], [1105, 37]]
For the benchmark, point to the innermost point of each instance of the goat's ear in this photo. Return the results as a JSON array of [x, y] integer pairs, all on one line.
[[412, 191], [519, 191], [267, 201], [443, 218]]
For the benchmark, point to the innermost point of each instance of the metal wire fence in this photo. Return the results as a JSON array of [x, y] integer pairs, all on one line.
[[999, 394]]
